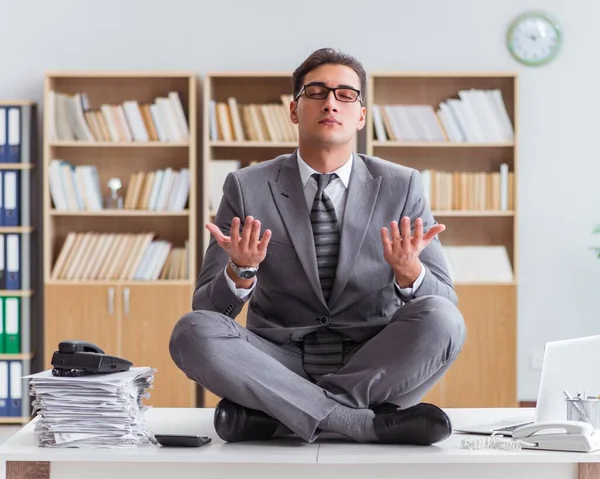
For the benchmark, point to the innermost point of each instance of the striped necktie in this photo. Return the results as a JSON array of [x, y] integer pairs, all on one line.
[[325, 233], [323, 349]]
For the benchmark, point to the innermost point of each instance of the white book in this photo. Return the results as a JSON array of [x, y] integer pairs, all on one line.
[[135, 120], [378, 124], [179, 114], [158, 178]]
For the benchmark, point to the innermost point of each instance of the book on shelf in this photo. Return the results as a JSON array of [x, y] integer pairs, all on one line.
[[476, 116], [478, 264], [77, 188], [232, 121], [469, 191], [73, 119], [120, 256]]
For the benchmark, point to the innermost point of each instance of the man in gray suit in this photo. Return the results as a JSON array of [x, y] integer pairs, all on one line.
[[349, 323]]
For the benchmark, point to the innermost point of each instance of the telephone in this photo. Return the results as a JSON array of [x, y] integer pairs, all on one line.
[[558, 436], [75, 358]]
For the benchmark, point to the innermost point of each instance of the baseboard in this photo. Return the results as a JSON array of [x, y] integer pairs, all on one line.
[[527, 403]]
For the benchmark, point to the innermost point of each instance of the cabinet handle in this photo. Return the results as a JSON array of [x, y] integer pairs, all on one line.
[[111, 301], [126, 300]]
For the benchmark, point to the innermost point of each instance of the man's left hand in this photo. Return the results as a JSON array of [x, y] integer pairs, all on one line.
[[402, 250]]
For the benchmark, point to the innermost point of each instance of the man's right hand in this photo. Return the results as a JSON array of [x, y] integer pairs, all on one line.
[[245, 249]]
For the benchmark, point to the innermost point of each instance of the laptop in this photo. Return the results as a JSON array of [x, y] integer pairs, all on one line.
[[569, 365]]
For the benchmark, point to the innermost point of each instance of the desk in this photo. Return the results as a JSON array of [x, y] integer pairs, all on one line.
[[291, 458]]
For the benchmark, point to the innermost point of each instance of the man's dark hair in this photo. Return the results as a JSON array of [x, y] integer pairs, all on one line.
[[325, 56]]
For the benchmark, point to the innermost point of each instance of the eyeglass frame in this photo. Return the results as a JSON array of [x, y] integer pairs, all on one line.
[[330, 89]]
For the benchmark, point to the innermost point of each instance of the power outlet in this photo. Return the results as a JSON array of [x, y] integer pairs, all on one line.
[[537, 358]]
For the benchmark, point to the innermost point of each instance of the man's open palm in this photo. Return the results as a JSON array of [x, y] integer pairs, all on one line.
[[403, 248]]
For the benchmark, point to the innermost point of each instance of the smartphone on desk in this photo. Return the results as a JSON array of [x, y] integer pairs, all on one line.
[[182, 440]]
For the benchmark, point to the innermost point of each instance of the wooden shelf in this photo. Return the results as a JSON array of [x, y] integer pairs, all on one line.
[[484, 374], [126, 318], [23, 293], [432, 144], [17, 357], [473, 213], [16, 229], [110, 144], [444, 75], [118, 282], [254, 144], [14, 420], [16, 166], [123, 212]]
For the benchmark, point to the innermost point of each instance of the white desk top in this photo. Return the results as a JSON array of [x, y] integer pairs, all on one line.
[[23, 446]]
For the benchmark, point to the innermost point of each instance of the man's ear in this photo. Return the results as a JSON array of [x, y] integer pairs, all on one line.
[[362, 118], [294, 112]]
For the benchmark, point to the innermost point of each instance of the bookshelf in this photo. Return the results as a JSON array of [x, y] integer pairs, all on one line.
[[19, 232], [120, 272], [459, 130], [246, 120]]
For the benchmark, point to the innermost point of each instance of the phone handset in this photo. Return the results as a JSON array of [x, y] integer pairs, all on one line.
[[562, 427]]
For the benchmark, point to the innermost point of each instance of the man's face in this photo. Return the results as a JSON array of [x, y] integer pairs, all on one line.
[[330, 121]]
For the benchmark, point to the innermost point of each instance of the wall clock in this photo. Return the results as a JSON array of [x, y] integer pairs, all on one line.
[[534, 38]]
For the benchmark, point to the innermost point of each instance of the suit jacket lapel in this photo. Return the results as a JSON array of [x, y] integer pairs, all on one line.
[[363, 190], [288, 195]]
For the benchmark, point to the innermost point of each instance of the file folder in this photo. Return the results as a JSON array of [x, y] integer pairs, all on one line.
[[12, 257], [3, 136], [15, 391], [14, 134], [4, 383], [12, 325], [11, 189]]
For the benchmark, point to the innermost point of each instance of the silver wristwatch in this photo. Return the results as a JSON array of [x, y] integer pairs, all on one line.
[[244, 272]]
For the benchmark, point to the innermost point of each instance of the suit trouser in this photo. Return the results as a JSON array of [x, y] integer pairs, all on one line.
[[399, 364]]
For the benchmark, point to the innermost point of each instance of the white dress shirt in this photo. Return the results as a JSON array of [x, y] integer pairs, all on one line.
[[337, 191]]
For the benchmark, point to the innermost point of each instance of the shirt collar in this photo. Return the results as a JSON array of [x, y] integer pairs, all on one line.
[[343, 171]]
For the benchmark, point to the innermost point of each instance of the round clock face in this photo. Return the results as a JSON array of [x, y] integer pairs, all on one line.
[[534, 38]]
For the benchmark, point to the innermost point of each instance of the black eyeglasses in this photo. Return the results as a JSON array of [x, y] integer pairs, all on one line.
[[318, 91]]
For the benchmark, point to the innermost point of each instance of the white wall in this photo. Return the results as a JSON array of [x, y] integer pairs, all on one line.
[[559, 163]]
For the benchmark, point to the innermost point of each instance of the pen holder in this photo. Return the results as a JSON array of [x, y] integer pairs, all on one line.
[[580, 409]]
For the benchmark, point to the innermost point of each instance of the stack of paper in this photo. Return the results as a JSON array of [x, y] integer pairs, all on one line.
[[95, 410]]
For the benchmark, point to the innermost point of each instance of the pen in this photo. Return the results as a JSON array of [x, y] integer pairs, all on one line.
[[584, 415]]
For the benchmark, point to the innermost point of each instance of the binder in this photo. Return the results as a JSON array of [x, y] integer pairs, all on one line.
[[15, 391], [3, 136], [11, 188], [12, 325], [4, 383], [1, 198], [13, 134], [2, 328], [12, 261], [2, 263]]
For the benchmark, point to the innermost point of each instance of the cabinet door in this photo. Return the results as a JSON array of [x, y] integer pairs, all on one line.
[[149, 314], [85, 312], [485, 372]]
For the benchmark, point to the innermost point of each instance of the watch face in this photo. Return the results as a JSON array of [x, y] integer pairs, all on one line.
[[247, 274], [534, 38]]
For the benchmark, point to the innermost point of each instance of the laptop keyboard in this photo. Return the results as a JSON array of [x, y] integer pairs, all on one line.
[[512, 427]]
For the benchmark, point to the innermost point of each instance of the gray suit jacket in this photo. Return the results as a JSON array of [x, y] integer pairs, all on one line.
[[287, 301]]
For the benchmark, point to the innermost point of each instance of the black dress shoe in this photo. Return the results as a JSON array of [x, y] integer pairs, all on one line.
[[235, 423], [385, 408], [423, 424]]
